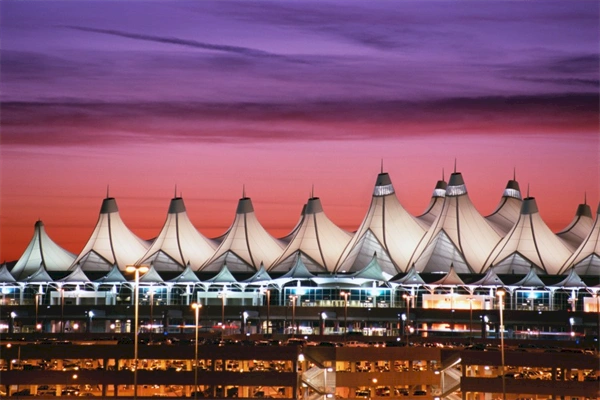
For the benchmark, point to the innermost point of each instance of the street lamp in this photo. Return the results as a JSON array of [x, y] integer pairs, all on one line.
[[137, 269], [196, 307], [11, 328], [268, 311], [38, 326], [151, 312], [500, 293], [91, 315], [470, 318], [407, 299], [293, 300], [62, 310], [345, 296]]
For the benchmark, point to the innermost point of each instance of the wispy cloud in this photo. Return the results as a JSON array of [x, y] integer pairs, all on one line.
[[87, 124], [245, 51]]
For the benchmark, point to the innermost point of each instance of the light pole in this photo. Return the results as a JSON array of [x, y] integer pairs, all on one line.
[[37, 303], [293, 300], [62, 310], [91, 315], [268, 311], [470, 318], [345, 296], [500, 293], [222, 296], [151, 312], [196, 307], [137, 269], [407, 298]]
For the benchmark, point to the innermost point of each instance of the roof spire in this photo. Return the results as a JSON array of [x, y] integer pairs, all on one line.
[[514, 173], [312, 192], [107, 191], [454, 164], [382, 165], [528, 190], [443, 175], [175, 193], [243, 191], [584, 197]]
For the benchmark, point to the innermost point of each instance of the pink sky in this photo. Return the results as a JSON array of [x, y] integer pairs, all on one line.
[[211, 96]]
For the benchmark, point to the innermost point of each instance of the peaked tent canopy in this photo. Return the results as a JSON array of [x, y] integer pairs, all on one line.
[[41, 250], [39, 276], [178, 243], [586, 259], [506, 214], [223, 277], [531, 280], [299, 272], [387, 230], [111, 242], [581, 225], [318, 241], [261, 277], [529, 242], [412, 278], [114, 276], [572, 281], [371, 273], [490, 279], [459, 236], [435, 205], [77, 276], [5, 276], [450, 279], [151, 276], [187, 276], [245, 245]]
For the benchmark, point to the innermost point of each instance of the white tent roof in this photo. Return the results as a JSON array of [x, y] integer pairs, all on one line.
[[113, 276], [39, 276], [111, 242], [287, 238], [245, 245], [581, 225], [298, 272], [490, 279], [77, 276], [261, 277], [151, 276], [5, 276], [187, 276], [318, 240], [178, 243], [530, 242], [572, 281], [459, 236], [435, 205], [586, 259], [412, 278], [507, 212], [387, 230], [42, 251], [450, 279], [531, 280], [223, 277]]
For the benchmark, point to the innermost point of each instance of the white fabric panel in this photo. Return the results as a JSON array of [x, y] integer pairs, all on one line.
[[431, 213], [506, 215], [362, 254], [91, 261], [516, 264], [394, 229], [41, 247], [576, 232], [439, 255], [113, 241], [317, 238], [181, 242], [535, 242], [249, 242], [288, 263], [467, 231], [587, 254]]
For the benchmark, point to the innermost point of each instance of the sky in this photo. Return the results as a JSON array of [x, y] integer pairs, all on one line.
[[145, 98]]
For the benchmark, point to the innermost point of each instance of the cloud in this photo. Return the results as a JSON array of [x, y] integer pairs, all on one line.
[[93, 124], [245, 51]]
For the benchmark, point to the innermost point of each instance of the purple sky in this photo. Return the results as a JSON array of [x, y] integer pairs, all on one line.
[[281, 95]]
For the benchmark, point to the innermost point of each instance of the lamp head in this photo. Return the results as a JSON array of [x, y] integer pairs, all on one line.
[[500, 292], [140, 268], [196, 306]]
